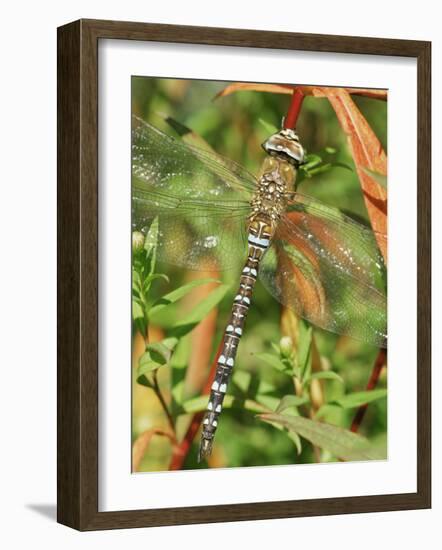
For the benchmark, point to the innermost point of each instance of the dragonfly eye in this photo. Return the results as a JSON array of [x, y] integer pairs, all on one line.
[[285, 145]]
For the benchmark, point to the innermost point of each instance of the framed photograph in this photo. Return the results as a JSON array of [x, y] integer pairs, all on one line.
[[230, 277]]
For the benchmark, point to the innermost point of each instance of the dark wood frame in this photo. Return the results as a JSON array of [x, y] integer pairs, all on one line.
[[78, 273]]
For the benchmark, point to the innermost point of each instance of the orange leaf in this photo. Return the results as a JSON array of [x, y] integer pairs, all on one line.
[[316, 91], [368, 153], [202, 336], [255, 87], [321, 91], [142, 443]]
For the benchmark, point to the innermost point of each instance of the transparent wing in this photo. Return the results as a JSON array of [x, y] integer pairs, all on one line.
[[354, 246], [201, 200], [172, 166], [197, 240], [328, 268]]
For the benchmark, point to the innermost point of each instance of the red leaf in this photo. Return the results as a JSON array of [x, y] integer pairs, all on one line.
[[317, 91], [368, 153]]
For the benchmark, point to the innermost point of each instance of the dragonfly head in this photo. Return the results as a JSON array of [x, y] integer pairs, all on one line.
[[285, 145]]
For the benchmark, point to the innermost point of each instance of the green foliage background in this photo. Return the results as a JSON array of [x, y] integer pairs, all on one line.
[[235, 126]]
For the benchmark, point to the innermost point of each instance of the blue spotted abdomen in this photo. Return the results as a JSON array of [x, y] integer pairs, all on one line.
[[258, 241]]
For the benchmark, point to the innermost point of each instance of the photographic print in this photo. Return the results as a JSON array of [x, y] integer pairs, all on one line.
[[259, 274], [222, 275]]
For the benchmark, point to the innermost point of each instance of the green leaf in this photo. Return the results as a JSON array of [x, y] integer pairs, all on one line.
[[320, 169], [379, 178], [137, 310], [341, 443], [342, 165], [199, 404], [179, 128], [136, 280], [152, 277], [161, 352], [187, 134], [326, 375], [151, 240], [290, 401], [265, 387], [178, 365], [147, 364], [262, 403], [176, 295], [304, 354], [275, 362], [326, 409], [315, 165], [143, 380], [150, 245], [241, 379], [138, 317], [155, 356], [269, 128], [357, 399], [136, 294], [276, 348], [297, 442], [311, 161], [199, 312]]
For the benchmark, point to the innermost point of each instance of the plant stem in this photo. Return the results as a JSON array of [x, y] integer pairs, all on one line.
[[156, 388], [294, 109], [181, 451], [372, 383], [142, 443]]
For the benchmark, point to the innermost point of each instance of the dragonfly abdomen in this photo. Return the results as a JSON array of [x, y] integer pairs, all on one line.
[[259, 237]]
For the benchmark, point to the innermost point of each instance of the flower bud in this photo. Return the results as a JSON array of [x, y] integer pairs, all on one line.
[[286, 346], [137, 242]]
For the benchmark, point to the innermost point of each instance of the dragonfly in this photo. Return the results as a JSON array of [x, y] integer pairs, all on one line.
[[213, 214]]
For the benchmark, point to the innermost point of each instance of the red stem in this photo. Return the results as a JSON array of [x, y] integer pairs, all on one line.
[[181, 451], [294, 109], [372, 383]]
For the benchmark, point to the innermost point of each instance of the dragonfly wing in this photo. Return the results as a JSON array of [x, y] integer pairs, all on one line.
[[196, 239], [347, 231], [172, 166], [328, 268], [200, 200]]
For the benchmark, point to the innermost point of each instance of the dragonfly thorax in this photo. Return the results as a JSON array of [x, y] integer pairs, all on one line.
[[276, 181]]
